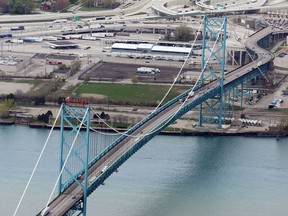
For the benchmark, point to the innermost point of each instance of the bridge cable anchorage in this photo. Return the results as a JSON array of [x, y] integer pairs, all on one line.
[[180, 71], [186, 99], [68, 155], [235, 34], [36, 165]]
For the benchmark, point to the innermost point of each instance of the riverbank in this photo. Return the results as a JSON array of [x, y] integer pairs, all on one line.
[[197, 131]]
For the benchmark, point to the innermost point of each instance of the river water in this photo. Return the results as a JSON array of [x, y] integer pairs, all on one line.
[[169, 176]]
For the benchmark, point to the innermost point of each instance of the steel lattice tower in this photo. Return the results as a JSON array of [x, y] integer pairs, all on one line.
[[74, 118], [213, 48]]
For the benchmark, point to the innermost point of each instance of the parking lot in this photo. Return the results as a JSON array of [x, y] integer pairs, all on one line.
[[277, 20]]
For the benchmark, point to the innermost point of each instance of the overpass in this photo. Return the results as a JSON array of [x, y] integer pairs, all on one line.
[[126, 145]]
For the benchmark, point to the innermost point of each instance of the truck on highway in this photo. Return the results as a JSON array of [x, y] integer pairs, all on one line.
[[5, 35], [15, 40], [100, 18], [50, 38], [103, 34], [60, 21], [66, 28], [18, 28], [96, 26], [32, 39], [147, 70]]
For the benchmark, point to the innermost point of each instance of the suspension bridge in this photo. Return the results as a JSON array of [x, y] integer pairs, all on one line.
[[83, 169]]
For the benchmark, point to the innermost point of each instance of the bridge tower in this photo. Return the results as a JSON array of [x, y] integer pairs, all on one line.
[[74, 150], [213, 48]]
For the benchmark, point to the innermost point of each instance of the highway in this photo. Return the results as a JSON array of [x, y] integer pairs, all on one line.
[[73, 194], [143, 6]]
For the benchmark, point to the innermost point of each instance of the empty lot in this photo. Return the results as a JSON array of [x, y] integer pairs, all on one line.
[[10, 87], [118, 72]]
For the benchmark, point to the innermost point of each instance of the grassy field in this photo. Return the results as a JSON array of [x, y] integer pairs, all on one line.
[[130, 93]]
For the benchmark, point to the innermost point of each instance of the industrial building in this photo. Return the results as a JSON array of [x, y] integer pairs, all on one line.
[[12, 64], [54, 59], [150, 48]]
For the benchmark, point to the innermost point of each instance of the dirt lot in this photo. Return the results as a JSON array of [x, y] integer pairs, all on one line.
[[117, 72], [9, 87]]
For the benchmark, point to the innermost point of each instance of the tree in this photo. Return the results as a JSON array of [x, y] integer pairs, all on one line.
[[282, 126], [21, 6], [101, 3], [49, 113], [86, 79], [107, 3], [61, 4], [44, 117], [60, 100], [75, 67], [11, 96], [39, 100], [183, 33], [19, 94], [5, 107], [88, 3], [102, 115], [134, 79], [168, 36], [4, 6]]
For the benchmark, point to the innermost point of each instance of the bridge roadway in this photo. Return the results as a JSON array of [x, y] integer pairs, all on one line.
[[73, 194]]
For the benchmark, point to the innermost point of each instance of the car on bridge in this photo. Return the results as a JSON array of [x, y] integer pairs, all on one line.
[[104, 168], [191, 94]]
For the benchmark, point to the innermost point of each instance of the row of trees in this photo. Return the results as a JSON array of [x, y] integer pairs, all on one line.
[[101, 3], [27, 6], [17, 6], [181, 33], [44, 117]]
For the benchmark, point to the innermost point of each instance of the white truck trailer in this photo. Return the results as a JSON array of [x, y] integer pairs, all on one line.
[[147, 70]]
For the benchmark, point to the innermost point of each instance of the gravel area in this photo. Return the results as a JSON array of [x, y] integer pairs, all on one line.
[[9, 87], [116, 71]]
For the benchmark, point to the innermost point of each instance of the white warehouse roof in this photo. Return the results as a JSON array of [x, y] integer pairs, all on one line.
[[171, 49], [124, 46], [145, 46]]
